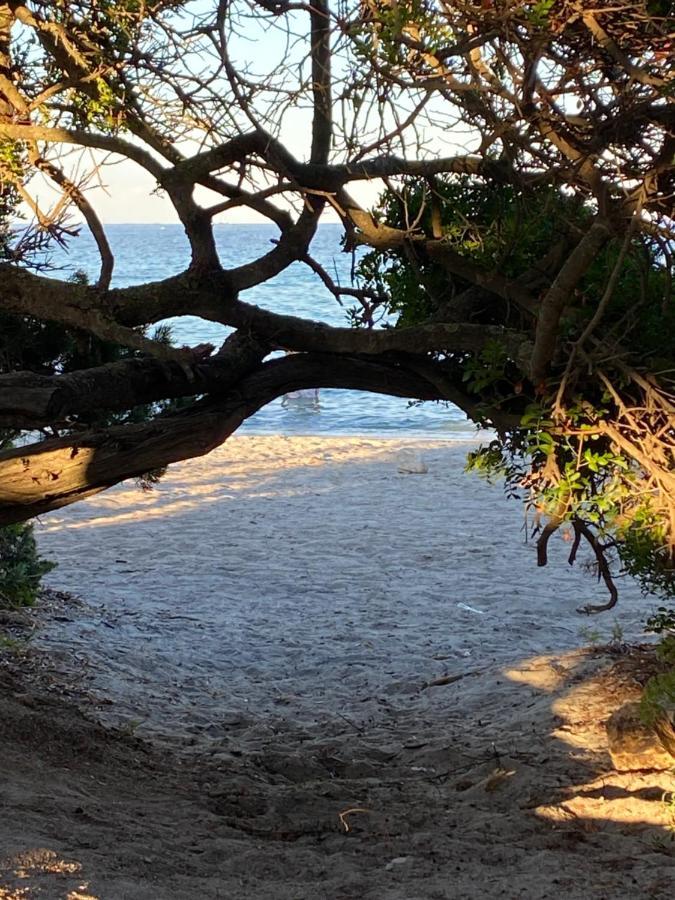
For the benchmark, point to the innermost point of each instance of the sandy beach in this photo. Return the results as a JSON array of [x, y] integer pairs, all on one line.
[[299, 576], [363, 683]]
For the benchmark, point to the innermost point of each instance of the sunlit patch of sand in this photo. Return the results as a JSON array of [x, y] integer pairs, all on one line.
[[260, 467], [157, 510], [582, 701], [41, 860], [628, 799], [33, 866], [164, 510], [545, 673]]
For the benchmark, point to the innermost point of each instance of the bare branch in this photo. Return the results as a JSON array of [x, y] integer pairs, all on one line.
[[558, 295]]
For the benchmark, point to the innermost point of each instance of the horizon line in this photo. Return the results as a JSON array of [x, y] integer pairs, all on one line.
[[83, 224]]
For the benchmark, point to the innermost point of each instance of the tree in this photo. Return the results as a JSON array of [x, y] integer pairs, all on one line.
[[529, 275]]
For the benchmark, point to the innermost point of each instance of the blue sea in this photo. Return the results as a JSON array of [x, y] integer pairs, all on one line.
[[153, 252]]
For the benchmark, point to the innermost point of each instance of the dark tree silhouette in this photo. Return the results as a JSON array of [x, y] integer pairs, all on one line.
[[525, 240]]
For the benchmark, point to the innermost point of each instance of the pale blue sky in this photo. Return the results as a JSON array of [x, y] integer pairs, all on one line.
[[126, 193]]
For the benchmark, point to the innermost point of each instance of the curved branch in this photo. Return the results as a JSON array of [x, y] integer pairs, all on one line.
[[294, 333], [28, 400], [581, 528], [51, 299], [53, 134], [547, 533], [291, 247], [73, 192], [74, 305], [41, 477], [322, 176], [196, 221], [212, 298]]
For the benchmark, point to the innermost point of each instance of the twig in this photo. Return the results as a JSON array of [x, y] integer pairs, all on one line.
[[449, 679], [581, 528], [350, 723], [348, 812]]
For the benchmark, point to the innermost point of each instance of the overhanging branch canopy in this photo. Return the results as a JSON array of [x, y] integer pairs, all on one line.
[[521, 257]]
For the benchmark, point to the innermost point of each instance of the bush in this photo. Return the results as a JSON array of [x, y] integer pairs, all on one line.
[[21, 567], [657, 706]]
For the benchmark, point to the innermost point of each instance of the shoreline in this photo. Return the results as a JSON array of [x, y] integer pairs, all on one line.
[[419, 437]]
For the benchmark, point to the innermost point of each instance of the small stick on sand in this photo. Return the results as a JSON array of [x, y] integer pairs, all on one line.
[[348, 812], [449, 679]]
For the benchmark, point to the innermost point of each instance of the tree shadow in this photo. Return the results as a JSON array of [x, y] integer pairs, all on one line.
[[488, 781], [498, 777]]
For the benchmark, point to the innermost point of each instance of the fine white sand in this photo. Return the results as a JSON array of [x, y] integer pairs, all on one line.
[[304, 578], [270, 620]]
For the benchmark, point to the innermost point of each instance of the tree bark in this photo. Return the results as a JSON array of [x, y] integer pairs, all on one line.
[[40, 477], [30, 401], [558, 295]]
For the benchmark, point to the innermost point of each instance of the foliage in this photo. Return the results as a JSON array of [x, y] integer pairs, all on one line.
[[658, 697], [509, 229], [662, 621], [21, 566], [560, 459], [657, 705]]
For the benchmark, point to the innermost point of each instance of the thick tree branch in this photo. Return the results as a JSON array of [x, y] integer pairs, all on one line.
[[328, 177], [80, 306], [558, 295], [52, 134], [196, 293], [74, 305], [41, 477], [322, 120], [294, 333], [28, 400]]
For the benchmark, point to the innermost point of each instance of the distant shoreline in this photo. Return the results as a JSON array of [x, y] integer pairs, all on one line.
[[412, 437]]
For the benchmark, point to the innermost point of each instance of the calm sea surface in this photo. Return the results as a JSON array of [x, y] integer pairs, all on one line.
[[152, 252]]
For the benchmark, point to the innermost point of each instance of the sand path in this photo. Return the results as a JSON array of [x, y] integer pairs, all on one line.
[[263, 627], [305, 578]]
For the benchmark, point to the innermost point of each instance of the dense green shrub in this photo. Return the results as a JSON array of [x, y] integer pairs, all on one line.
[[575, 452], [21, 566]]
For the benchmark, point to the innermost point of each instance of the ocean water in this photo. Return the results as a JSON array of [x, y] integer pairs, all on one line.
[[152, 252]]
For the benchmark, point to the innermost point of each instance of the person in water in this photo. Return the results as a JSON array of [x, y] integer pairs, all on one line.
[[307, 398]]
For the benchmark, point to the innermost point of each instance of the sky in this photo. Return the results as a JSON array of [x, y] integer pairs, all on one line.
[[126, 193]]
